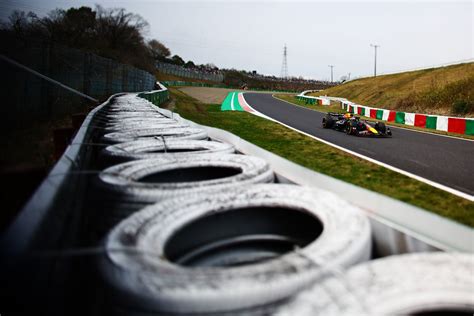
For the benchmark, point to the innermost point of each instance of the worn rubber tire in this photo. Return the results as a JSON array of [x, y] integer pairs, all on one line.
[[176, 133], [138, 120], [156, 148], [120, 190], [120, 116], [143, 125], [126, 179], [126, 109], [149, 281], [397, 285]]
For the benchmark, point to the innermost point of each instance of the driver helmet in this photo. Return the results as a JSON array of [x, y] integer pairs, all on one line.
[[348, 115]]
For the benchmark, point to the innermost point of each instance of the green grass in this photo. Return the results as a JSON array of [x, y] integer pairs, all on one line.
[[336, 107], [325, 159]]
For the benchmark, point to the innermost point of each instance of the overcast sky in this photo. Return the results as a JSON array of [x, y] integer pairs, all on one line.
[[250, 35]]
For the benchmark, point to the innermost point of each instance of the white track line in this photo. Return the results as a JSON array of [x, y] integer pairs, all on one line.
[[232, 102], [406, 173], [391, 126]]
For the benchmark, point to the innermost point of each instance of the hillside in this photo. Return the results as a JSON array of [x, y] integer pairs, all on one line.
[[443, 91]]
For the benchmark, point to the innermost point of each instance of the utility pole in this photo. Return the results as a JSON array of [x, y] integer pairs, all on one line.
[[284, 66], [331, 66], [375, 61], [349, 77]]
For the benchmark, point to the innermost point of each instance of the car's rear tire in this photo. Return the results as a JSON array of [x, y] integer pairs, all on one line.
[[348, 128], [328, 121], [380, 127]]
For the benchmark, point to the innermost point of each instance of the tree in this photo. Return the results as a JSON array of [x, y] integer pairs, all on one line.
[[111, 33], [74, 27], [210, 66], [190, 64], [177, 60], [21, 23], [158, 50]]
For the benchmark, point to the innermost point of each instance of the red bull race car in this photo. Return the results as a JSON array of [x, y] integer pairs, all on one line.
[[352, 125]]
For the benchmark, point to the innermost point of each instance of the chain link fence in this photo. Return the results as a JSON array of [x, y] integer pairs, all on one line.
[[179, 71], [27, 98]]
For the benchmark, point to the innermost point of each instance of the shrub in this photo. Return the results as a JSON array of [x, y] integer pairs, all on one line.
[[463, 107]]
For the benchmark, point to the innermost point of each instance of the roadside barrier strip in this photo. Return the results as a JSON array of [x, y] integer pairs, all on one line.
[[436, 122], [313, 100]]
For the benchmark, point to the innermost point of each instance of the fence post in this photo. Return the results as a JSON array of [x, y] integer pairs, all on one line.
[[45, 88], [108, 77], [124, 78], [86, 80]]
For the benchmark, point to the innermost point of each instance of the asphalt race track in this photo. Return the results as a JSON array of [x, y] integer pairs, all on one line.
[[445, 160]]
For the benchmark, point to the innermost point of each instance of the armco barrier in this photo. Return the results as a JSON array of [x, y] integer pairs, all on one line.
[[435, 122], [313, 100], [156, 97], [429, 121]]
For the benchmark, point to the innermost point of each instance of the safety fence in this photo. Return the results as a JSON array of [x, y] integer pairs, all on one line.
[[192, 84], [29, 98], [180, 71], [209, 85]]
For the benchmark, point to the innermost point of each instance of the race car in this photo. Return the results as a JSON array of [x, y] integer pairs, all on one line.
[[352, 125]]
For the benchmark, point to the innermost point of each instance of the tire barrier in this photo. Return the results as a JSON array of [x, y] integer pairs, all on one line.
[[175, 133], [414, 284], [126, 115], [231, 251], [145, 124], [190, 228], [156, 148], [131, 109], [128, 187], [139, 119], [151, 180]]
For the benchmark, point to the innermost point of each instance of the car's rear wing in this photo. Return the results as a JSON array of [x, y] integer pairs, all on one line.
[[335, 114]]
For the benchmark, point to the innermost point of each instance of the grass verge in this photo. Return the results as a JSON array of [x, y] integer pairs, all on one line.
[[323, 158], [444, 91], [336, 107]]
